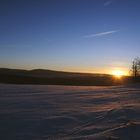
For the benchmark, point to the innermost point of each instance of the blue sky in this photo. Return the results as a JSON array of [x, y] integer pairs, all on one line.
[[69, 35]]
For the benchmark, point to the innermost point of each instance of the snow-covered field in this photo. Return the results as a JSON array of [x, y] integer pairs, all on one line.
[[39, 112]]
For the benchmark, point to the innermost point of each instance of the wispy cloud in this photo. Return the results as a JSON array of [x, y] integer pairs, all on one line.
[[107, 3], [101, 34]]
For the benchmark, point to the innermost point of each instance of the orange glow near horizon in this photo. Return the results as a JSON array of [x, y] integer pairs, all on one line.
[[119, 73]]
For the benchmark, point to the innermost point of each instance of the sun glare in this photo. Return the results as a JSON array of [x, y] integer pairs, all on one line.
[[118, 73]]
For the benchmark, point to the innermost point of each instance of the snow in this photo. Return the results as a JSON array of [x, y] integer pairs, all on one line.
[[41, 112]]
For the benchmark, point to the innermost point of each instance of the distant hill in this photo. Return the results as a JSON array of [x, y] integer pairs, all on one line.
[[50, 77], [44, 73]]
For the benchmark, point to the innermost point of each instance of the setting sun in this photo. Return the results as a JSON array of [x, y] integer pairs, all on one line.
[[118, 73]]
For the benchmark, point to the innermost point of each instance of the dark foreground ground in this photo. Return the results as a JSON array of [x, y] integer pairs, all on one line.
[[35, 112]]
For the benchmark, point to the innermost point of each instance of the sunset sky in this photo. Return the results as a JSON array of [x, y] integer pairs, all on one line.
[[69, 35]]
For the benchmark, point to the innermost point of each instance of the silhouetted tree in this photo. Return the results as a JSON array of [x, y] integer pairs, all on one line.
[[136, 67]]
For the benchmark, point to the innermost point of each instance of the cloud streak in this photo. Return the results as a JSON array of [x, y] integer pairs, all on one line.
[[101, 34], [107, 3]]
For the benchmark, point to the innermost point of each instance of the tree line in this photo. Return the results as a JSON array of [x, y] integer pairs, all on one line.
[[135, 70]]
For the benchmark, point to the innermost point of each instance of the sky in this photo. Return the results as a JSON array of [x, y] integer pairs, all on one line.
[[95, 36]]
